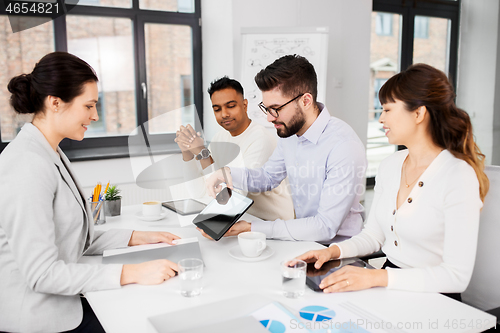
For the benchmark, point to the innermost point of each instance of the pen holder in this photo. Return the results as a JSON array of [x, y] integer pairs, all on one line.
[[98, 209]]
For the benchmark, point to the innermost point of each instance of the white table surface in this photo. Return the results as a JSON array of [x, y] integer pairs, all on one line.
[[127, 309]]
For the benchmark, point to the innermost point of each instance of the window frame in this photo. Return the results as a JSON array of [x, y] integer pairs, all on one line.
[[408, 9], [107, 147]]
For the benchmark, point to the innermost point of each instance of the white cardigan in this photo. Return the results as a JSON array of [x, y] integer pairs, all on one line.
[[433, 235]]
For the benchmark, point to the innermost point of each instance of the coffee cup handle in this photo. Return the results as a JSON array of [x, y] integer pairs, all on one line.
[[262, 246]]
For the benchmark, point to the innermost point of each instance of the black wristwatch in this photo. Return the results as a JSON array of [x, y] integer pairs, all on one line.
[[204, 154]]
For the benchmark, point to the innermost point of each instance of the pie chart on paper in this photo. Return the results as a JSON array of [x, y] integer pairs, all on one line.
[[273, 326], [316, 313]]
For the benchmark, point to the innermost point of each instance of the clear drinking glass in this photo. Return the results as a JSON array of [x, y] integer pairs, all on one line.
[[191, 275], [293, 274]]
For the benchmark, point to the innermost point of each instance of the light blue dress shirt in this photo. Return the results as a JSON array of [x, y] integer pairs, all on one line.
[[325, 168]]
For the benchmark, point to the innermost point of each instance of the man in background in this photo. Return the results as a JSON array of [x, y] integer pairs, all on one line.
[[251, 144]]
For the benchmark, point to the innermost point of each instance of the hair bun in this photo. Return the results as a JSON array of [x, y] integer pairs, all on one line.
[[21, 90]]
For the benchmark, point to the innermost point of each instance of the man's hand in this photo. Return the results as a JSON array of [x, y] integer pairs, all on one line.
[[204, 234], [189, 141], [236, 229], [151, 237], [213, 183]]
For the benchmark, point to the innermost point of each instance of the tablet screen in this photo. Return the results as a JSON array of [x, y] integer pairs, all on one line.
[[216, 219], [315, 276], [185, 207]]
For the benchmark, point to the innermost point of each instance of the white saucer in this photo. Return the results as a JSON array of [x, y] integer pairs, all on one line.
[[150, 218], [236, 253]]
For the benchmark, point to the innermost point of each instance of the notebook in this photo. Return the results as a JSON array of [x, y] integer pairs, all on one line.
[[186, 248]]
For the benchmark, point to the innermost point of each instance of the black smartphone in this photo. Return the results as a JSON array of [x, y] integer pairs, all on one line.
[[315, 276], [223, 196]]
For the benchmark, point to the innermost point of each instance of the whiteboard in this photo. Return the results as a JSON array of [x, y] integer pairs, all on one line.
[[262, 46]]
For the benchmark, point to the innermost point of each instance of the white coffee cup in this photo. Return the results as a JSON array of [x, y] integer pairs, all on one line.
[[252, 243], [151, 208]]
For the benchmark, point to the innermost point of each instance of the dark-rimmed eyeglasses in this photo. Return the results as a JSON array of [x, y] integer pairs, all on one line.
[[274, 111]]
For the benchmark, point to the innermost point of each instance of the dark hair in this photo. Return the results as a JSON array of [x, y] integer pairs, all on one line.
[[224, 83], [449, 126], [57, 74], [291, 74]]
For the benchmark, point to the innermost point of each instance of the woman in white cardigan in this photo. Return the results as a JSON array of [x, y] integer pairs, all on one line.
[[44, 219], [425, 213]]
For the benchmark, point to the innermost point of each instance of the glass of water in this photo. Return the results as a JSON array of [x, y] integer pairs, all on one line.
[[293, 273], [191, 274]]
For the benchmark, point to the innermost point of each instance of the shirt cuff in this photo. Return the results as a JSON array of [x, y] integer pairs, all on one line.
[[340, 249], [265, 227], [347, 249], [237, 175]]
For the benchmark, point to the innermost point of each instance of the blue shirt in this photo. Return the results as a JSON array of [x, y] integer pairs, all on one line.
[[326, 169]]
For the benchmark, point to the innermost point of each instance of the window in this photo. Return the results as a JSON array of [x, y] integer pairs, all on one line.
[[166, 81], [376, 103], [421, 27], [106, 44], [383, 24], [147, 55], [18, 53], [182, 6], [434, 48], [385, 55], [405, 32]]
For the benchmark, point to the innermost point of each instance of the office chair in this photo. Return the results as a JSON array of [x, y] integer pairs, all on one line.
[[483, 291]]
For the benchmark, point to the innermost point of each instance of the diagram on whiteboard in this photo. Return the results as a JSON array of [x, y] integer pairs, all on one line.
[[262, 48]]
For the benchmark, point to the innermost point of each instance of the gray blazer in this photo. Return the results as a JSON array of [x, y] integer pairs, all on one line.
[[44, 230]]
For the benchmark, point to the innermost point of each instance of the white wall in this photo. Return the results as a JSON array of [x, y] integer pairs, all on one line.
[[478, 68], [217, 52], [349, 25], [495, 156]]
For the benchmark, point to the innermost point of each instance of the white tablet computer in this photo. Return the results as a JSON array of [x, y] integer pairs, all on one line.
[[185, 207], [216, 218]]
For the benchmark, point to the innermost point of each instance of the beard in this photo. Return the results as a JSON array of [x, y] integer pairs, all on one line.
[[294, 125]]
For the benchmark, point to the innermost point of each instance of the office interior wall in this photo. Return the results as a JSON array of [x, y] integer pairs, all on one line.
[[495, 156], [217, 52], [478, 90], [349, 24]]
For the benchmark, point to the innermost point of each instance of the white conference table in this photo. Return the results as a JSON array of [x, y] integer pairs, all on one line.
[[127, 309]]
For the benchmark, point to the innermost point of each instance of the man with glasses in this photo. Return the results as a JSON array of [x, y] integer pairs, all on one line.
[[241, 142], [322, 156]]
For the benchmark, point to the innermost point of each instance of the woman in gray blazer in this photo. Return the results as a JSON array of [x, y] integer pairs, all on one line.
[[44, 219]]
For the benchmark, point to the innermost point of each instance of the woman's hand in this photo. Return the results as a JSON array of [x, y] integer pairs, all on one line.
[[151, 237], [319, 257], [350, 278], [149, 272]]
